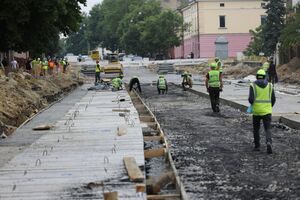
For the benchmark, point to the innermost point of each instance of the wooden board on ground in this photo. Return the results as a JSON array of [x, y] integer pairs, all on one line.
[[134, 172], [111, 196], [152, 138], [163, 196], [151, 153], [42, 127], [120, 110]]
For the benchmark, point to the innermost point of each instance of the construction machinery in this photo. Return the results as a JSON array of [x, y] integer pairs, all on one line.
[[114, 68]]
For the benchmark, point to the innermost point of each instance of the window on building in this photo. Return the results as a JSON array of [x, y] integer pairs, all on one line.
[[263, 19], [222, 21], [222, 4]]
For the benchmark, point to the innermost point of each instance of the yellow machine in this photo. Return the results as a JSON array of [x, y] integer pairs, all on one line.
[[95, 55], [113, 66]]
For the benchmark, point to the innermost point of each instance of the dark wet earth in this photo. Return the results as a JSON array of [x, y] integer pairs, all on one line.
[[213, 152]]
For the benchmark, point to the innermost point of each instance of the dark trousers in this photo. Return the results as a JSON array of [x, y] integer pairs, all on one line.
[[161, 91], [267, 126], [214, 94], [97, 77], [134, 82]]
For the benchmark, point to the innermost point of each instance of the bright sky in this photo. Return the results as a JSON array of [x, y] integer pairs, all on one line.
[[89, 5]]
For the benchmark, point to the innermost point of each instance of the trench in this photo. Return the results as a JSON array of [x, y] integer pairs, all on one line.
[[213, 152]]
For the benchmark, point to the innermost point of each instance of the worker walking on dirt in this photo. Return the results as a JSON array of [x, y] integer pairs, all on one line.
[[262, 99], [97, 72], [187, 80], [219, 64], [162, 85], [117, 83], [214, 86], [135, 83]]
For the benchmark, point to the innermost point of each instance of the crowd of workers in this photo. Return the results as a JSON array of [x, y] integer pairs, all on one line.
[[261, 93], [37, 67]]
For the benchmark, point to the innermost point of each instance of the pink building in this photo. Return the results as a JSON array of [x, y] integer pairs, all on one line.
[[219, 28]]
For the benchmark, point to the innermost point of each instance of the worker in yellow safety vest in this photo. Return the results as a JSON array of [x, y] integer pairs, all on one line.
[[214, 86], [162, 85], [97, 72], [117, 83], [262, 99]]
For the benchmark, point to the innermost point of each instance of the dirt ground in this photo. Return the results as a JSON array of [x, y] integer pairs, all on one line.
[[23, 95], [213, 152]]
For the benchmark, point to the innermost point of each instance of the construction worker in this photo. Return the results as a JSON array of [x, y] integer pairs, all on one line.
[[219, 65], [45, 67], [117, 83], [162, 85], [262, 99], [97, 72], [187, 80], [214, 85], [135, 83]]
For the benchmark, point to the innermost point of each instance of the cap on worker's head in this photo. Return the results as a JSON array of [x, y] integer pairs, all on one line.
[[38, 59], [261, 74], [217, 59], [213, 65]]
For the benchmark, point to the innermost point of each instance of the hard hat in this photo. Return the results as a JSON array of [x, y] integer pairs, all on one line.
[[38, 59], [161, 76], [217, 59], [261, 72], [185, 73], [213, 65]]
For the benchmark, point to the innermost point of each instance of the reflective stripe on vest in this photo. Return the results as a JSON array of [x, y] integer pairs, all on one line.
[[214, 78], [262, 99], [97, 68], [162, 83]]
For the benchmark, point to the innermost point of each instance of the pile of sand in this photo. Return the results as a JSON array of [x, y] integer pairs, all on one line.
[[290, 72], [22, 95], [239, 71]]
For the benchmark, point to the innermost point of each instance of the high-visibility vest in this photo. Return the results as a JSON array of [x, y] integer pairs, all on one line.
[[262, 99], [219, 66], [45, 65], [97, 69], [214, 79], [116, 83], [266, 66], [162, 83]]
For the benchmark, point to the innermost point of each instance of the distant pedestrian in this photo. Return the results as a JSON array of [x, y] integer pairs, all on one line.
[[214, 86], [192, 55], [14, 65], [273, 78], [135, 83], [162, 85], [262, 99]]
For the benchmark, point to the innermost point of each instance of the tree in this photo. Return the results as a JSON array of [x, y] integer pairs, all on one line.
[[271, 30], [77, 42], [36, 24], [256, 45], [291, 33]]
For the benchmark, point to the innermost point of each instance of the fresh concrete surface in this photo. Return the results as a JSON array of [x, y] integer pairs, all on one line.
[[83, 148]]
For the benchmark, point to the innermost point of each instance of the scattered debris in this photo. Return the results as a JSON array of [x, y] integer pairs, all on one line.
[[42, 127]]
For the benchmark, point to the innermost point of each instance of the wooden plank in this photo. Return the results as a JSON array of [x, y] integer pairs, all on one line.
[[134, 172], [151, 153], [111, 196], [120, 110], [163, 196], [146, 118], [152, 138]]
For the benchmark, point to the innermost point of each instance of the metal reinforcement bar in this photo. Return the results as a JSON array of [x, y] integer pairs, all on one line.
[[136, 99]]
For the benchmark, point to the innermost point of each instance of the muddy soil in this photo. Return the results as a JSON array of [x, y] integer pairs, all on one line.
[[213, 152]]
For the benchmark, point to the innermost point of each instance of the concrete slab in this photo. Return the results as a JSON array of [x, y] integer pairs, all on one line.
[[81, 149]]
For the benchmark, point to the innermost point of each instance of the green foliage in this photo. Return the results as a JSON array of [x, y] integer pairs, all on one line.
[[35, 25], [274, 24], [291, 33], [256, 44], [137, 26]]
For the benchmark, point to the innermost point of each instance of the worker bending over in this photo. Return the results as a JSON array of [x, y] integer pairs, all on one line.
[[162, 85], [135, 83], [187, 80], [117, 83], [262, 98], [214, 85]]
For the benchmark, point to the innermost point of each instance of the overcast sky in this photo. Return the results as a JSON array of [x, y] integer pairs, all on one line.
[[89, 5]]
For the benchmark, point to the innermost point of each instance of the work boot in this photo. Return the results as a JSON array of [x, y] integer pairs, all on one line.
[[269, 148], [256, 148]]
